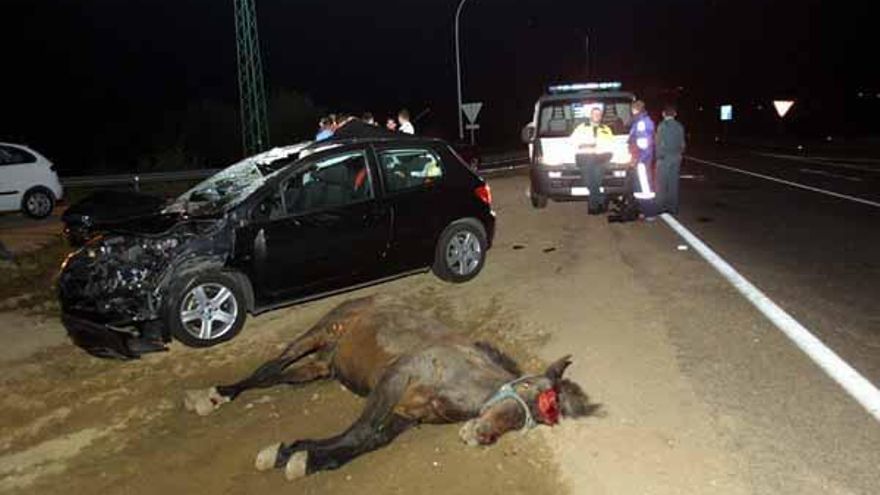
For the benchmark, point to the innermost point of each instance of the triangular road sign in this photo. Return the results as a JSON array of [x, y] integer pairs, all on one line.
[[783, 106], [471, 111]]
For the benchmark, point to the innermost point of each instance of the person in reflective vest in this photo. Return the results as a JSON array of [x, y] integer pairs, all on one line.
[[641, 143], [593, 141]]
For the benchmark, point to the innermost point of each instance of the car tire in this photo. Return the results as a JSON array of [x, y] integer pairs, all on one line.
[[539, 201], [461, 251], [208, 310], [38, 203]]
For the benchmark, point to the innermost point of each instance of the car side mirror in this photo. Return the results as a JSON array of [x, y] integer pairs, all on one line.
[[528, 134]]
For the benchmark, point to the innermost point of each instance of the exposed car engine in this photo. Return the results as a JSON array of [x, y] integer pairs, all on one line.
[[123, 277]]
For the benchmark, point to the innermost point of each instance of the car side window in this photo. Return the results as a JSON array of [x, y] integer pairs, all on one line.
[[331, 182], [15, 156], [409, 168]]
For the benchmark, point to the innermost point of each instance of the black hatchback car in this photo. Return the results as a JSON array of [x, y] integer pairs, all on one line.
[[282, 227]]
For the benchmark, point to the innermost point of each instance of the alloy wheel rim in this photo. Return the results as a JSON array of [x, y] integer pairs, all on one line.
[[208, 311], [463, 253], [39, 204]]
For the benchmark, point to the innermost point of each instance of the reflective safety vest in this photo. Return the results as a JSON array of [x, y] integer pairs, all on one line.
[[593, 138]]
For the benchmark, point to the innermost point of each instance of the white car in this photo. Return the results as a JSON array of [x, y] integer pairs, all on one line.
[[28, 181]]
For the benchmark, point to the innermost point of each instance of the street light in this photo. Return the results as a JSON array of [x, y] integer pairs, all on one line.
[[458, 70]]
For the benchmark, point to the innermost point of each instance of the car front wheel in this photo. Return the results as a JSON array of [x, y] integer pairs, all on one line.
[[207, 311], [38, 203], [538, 200], [461, 251]]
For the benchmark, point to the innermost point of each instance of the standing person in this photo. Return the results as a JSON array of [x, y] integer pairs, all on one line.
[[593, 140], [391, 124], [325, 129], [641, 142], [368, 119], [406, 126], [670, 148]]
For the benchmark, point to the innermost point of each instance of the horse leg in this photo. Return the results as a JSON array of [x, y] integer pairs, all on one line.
[[270, 373], [377, 426]]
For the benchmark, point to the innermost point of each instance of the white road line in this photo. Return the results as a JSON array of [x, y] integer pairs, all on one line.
[[839, 370], [788, 182], [828, 162], [829, 174]]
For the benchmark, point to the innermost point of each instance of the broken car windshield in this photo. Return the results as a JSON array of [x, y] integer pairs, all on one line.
[[233, 184]]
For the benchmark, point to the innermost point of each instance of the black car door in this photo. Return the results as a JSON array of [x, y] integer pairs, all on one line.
[[328, 232], [414, 182]]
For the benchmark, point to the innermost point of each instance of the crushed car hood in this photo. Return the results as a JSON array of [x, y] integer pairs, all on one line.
[[110, 206], [153, 225]]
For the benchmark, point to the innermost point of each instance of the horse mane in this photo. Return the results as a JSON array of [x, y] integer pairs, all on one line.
[[498, 357]]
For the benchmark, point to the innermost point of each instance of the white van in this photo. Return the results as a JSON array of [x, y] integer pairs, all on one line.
[[28, 181], [553, 150]]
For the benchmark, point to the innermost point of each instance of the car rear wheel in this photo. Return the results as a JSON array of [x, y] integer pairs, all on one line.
[[209, 310], [461, 251], [38, 203]]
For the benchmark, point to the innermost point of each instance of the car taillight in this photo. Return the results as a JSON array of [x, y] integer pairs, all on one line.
[[484, 193]]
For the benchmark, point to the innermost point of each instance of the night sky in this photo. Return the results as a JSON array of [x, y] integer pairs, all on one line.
[[84, 76]]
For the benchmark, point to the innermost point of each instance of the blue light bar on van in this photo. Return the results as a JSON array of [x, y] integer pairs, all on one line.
[[590, 86]]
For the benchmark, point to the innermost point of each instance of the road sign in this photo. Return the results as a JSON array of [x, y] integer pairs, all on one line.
[[726, 113], [472, 111], [472, 127], [783, 106]]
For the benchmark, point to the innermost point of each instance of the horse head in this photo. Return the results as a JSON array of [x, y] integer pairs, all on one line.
[[527, 402]]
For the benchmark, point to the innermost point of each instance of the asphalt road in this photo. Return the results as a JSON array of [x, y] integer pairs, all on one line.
[[813, 253], [700, 392]]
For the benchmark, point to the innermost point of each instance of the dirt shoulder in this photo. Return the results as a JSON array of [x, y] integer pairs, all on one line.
[[656, 337]]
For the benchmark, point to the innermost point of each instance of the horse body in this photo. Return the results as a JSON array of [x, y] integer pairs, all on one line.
[[412, 369]]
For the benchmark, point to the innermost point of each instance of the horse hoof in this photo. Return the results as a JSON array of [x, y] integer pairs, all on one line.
[[296, 466], [204, 401], [468, 433], [267, 457]]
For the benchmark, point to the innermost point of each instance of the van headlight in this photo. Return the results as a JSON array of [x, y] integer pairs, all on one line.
[[550, 161], [621, 157]]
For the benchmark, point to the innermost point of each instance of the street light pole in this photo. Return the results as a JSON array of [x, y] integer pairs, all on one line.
[[458, 69], [588, 55]]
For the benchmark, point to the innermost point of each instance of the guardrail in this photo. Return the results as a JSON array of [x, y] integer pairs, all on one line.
[[491, 162]]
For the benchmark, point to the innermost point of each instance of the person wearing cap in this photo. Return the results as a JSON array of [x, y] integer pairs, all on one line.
[[670, 148], [641, 142]]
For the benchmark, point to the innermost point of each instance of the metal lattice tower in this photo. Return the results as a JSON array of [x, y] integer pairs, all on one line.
[[254, 124]]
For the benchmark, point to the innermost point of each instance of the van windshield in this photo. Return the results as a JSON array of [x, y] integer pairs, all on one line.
[[559, 118]]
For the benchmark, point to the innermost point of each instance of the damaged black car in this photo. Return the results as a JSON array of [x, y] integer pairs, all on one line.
[[289, 225]]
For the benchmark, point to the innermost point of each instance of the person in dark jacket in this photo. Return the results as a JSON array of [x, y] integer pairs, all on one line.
[[670, 148]]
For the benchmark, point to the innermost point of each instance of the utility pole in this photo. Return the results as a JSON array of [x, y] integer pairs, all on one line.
[[252, 92], [588, 55], [458, 70]]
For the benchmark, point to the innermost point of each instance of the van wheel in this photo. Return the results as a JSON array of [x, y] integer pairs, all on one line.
[[208, 310], [38, 203], [461, 251], [538, 200]]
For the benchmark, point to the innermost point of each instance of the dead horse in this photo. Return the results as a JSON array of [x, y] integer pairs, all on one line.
[[412, 369]]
